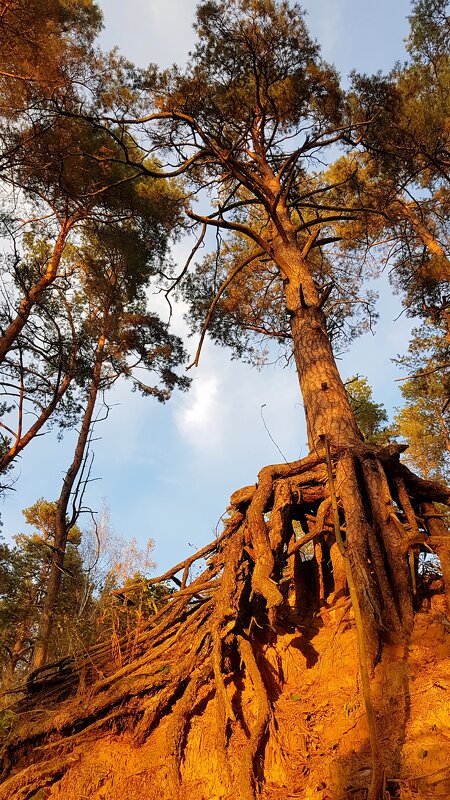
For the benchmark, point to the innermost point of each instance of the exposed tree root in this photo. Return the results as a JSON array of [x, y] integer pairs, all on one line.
[[377, 778], [280, 559]]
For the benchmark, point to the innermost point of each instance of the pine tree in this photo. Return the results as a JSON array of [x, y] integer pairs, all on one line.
[[372, 417], [26, 568], [249, 123], [423, 420], [121, 336], [402, 175]]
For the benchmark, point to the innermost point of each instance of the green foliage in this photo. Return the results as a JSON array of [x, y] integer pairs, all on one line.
[[258, 107], [430, 29], [372, 418], [123, 565], [97, 229], [42, 515], [289, 78], [403, 175], [248, 312], [128, 612], [409, 107], [45, 46], [24, 570], [115, 264], [86, 610], [424, 420]]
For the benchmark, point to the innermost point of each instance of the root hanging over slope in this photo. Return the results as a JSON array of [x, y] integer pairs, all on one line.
[[277, 566]]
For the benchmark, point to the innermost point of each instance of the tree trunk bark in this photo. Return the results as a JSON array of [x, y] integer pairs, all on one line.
[[61, 526], [14, 655], [327, 408], [326, 403]]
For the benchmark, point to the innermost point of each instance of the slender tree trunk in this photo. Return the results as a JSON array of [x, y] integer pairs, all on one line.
[[445, 430], [15, 327], [61, 527], [63, 382], [24, 628]]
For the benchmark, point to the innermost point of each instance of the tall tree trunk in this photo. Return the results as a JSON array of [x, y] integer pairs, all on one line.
[[61, 525], [327, 408], [363, 486], [379, 585], [326, 403]]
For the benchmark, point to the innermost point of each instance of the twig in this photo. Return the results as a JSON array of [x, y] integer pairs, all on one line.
[[264, 405], [423, 374]]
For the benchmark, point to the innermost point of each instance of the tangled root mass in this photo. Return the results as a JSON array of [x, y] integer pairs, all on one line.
[[275, 563]]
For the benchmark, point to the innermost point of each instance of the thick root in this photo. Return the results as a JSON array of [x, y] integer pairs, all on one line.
[[276, 567]]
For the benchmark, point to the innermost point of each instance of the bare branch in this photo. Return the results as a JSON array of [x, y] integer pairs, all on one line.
[[221, 290]]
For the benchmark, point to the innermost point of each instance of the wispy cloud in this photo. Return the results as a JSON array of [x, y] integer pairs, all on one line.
[[154, 31], [198, 417], [326, 22]]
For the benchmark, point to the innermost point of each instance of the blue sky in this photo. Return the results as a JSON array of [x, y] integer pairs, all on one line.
[[166, 472]]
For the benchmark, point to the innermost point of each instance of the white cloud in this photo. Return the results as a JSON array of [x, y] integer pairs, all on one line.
[[199, 414], [154, 31]]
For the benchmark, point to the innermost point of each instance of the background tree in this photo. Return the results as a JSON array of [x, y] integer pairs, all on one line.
[[424, 418], [86, 612], [26, 567], [62, 177], [372, 417], [39, 147], [403, 172], [58, 175], [43, 349], [128, 598], [121, 337], [42, 49]]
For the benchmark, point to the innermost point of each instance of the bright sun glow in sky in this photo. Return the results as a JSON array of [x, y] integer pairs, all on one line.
[[167, 471]]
